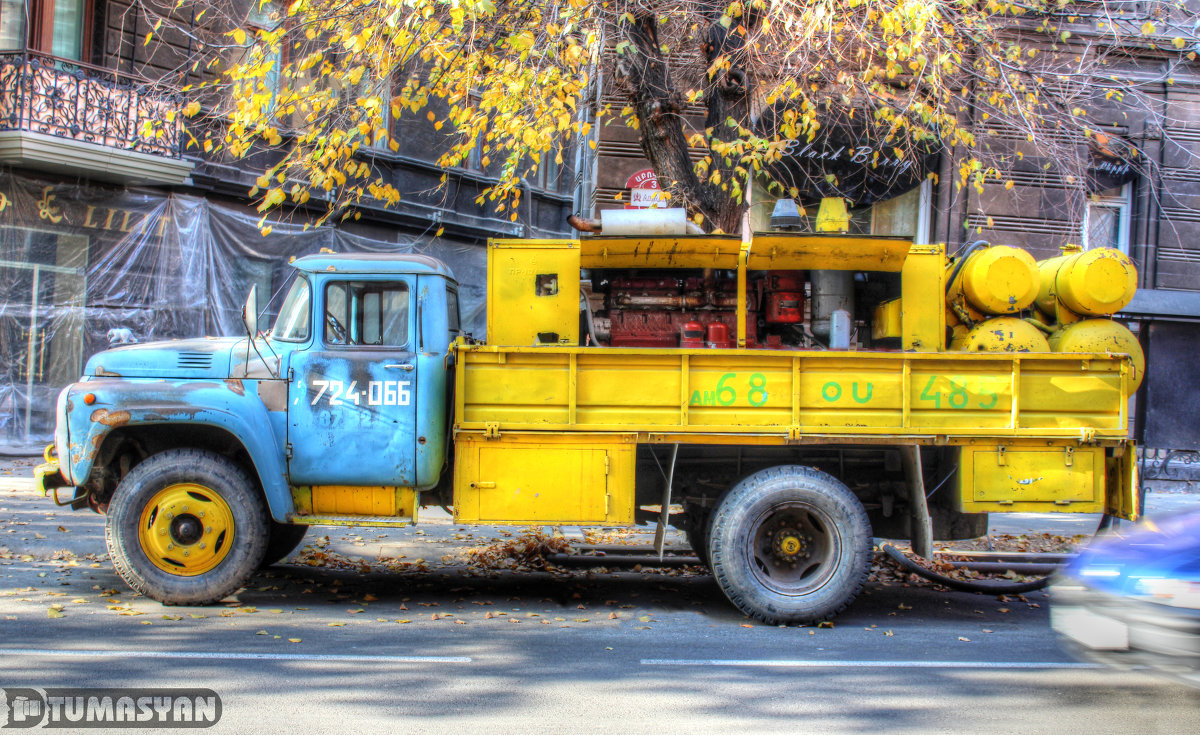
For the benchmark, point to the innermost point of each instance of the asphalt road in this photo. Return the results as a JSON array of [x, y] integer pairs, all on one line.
[[425, 642]]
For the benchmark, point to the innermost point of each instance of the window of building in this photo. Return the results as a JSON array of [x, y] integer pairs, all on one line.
[[381, 92], [56, 27], [550, 172], [266, 16], [1106, 223], [12, 25]]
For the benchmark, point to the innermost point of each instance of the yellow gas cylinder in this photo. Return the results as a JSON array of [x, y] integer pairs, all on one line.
[[997, 280], [1093, 282], [1002, 334], [1101, 335]]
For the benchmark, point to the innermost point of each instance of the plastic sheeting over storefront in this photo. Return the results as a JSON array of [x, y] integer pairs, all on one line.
[[83, 268]]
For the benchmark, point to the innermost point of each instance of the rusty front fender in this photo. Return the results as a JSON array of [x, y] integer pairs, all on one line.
[[231, 406]]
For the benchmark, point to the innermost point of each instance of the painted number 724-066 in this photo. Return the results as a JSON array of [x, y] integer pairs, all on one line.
[[378, 392]]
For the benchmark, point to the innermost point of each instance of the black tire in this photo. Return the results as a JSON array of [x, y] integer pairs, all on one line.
[[285, 537], [790, 545], [139, 517]]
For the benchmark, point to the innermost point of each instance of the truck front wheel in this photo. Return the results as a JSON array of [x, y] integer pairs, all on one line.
[[186, 527], [790, 545]]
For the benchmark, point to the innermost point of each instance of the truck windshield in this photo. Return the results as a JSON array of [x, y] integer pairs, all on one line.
[[292, 325]]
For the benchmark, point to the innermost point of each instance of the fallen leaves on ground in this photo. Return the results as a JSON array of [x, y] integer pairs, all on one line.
[[525, 552]]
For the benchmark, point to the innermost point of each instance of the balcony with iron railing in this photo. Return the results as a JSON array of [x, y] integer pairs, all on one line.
[[74, 118]]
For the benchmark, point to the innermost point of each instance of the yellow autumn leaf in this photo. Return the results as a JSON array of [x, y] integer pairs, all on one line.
[[239, 36], [273, 198]]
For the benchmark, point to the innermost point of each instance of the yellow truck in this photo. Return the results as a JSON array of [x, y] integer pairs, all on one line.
[[783, 398]]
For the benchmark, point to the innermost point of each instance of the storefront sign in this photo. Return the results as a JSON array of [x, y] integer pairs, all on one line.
[[53, 210], [644, 190], [850, 157]]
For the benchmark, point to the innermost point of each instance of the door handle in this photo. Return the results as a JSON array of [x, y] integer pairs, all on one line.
[[400, 366]]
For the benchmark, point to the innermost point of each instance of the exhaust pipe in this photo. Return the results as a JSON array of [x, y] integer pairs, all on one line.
[[637, 222]]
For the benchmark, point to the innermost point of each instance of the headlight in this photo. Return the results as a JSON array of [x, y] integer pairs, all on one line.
[[1100, 571]]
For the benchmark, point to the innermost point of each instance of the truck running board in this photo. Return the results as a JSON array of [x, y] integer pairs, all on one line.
[[351, 521]]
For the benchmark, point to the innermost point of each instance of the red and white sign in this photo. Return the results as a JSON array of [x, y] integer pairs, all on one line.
[[643, 190]]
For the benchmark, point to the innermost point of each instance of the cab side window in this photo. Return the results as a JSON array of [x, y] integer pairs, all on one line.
[[367, 313]]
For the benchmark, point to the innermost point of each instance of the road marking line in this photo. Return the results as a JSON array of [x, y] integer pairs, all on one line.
[[809, 664], [235, 656]]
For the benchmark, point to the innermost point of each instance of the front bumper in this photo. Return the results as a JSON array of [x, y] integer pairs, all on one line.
[[1126, 632], [48, 476]]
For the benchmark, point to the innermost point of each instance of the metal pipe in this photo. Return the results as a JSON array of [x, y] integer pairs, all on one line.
[[922, 523], [992, 588], [1011, 556], [664, 514], [583, 224], [992, 567], [620, 560]]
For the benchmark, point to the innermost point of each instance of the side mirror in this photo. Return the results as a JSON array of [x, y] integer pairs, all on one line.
[[250, 313]]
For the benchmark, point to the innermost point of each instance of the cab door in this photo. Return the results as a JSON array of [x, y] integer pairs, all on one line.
[[352, 416]]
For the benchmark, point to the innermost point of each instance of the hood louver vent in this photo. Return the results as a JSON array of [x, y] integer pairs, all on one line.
[[195, 360]]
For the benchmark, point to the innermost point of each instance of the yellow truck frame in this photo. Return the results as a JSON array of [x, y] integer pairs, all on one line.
[[550, 432]]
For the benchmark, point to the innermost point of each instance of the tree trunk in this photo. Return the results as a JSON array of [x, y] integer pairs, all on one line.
[[659, 108]]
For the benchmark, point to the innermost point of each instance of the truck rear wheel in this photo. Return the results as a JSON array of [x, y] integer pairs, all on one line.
[[186, 527], [789, 545]]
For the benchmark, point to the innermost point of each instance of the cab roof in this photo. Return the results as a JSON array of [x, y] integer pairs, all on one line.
[[373, 263]]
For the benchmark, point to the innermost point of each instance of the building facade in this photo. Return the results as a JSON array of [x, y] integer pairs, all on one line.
[[116, 228]]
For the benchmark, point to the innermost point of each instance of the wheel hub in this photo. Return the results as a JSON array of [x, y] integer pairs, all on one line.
[[793, 549], [186, 529], [789, 544]]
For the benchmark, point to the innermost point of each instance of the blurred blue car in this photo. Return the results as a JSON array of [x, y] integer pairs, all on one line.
[[1133, 598]]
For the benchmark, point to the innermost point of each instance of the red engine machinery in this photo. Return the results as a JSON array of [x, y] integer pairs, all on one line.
[[692, 335], [784, 295], [675, 312], [695, 311]]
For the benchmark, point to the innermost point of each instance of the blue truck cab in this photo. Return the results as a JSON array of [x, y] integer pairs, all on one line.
[[187, 445]]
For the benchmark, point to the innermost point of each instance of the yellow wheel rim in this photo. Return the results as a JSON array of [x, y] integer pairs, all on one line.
[[186, 529]]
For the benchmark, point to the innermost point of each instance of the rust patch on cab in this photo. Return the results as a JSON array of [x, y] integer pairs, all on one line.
[[110, 418]]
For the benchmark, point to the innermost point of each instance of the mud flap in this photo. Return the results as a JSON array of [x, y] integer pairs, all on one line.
[[1122, 496]]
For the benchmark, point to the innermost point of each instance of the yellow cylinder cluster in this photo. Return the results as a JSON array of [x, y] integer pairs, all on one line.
[[1001, 334], [997, 280], [1090, 283], [1101, 335], [1079, 286]]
